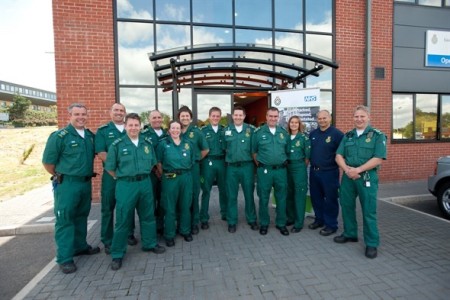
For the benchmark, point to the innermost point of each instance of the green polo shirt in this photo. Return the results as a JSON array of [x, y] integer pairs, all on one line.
[[357, 150], [270, 148], [127, 159], [105, 136], [173, 156], [151, 134], [215, 140], [69, 152], [299, 148], [197, 139], [238, 145]]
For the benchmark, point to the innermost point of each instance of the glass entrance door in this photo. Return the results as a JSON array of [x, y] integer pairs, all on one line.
[[204, 100]]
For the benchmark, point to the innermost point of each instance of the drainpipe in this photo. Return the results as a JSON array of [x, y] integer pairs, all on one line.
[[368, 51]]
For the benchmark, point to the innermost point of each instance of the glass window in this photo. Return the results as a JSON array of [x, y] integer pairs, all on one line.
[[319, 45], [318, 15], [135, 42], [138, 100], [430, 2], [173, 10], [447, 2], [402, 114], [426, 116], [254, 36], [253, 13], [209, 35], [410, 1], [213, 11], [172, 36], [289, 40], [326, 101], [324, 81], [289, 14], [165, 100], [135, 9], [445, 117]]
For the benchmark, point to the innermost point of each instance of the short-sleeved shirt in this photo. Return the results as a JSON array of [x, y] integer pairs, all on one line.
[[323, 147], [70, 153], [299, 148], [214, 139], [151, 134], [357, 150], [105, 136], [126, 159], [197, 139], [270, 149], [175, 157], [238, 145]]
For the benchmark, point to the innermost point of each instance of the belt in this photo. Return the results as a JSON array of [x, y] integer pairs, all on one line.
[[134, 178], [177, 172], [293, 161], [273, 167], [317, 168], [239, 163], [76, 178], [216, 157]]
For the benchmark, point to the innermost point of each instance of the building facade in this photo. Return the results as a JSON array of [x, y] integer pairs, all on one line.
[[41, 100], [102, 51]]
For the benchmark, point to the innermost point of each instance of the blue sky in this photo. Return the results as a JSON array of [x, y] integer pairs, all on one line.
[[26, 54]]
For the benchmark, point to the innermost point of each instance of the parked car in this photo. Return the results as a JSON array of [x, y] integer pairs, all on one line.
[[439, 184]]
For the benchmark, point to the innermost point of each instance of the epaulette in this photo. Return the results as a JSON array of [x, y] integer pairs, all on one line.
[[257, 129], [118, 140], [350, 134], [62, 133], [148, 139], [252, 126], [103, 126], [283, 129], [88, 130], [145, 130]]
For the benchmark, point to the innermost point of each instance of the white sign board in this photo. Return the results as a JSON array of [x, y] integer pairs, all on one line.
[[437, 52], [4, 117], [304, 103]]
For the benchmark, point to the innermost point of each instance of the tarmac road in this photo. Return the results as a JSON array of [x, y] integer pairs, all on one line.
[[22, 257]]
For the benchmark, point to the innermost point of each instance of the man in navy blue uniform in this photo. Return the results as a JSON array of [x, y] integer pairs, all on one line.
[[324, 174]]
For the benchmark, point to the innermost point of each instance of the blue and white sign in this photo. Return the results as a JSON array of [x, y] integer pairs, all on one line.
[[437, 49]]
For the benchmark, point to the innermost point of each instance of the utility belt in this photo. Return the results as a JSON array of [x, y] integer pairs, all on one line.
[[317, 168], [215, 157], [239, 163], [273, 167], [134, 178], [295, 161], [173, 173], [59, 178]]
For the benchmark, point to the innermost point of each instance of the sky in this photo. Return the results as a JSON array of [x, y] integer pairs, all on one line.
[[27, 49]]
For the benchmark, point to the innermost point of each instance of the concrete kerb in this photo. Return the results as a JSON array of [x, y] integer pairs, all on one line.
[[26, 229]]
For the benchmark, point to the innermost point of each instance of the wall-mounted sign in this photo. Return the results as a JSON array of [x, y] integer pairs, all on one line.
[[437, 52], [4, 116]]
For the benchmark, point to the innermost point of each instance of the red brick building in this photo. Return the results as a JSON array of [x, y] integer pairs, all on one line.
[[102, 48]]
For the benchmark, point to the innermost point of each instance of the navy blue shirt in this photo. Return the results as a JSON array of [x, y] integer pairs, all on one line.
[[323, 147]]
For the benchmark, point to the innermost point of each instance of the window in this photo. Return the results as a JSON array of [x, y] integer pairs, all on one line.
[[420, 117]]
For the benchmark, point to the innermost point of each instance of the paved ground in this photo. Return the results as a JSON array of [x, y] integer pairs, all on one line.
[[413, 261]]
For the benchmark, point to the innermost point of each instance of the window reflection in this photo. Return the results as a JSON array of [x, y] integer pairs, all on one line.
[[135, 9], [289, 14], [318, 15], [289, 40], [254, 36], [172, 36], [426, 116], [138, 100], [173, 10], [402, 113], [207, 11], [326, 101], [135, 41], [253, 13], [165, 100], [319, 45], [324, 81], [210, 35], [430, 2], [445, 117]]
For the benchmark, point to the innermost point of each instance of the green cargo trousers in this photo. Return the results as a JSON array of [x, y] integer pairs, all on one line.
[[296, 196], [212, 169]]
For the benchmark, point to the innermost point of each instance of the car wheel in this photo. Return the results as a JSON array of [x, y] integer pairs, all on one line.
[[443, 199]]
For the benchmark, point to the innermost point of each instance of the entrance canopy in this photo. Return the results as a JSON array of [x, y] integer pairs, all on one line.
[[236, 66]]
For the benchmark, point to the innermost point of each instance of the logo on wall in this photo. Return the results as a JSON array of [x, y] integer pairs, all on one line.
[[277, 100]]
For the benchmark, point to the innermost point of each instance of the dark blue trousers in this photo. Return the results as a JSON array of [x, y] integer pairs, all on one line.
[[324, 190]]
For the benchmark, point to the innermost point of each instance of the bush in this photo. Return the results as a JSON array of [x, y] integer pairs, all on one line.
[[34, 118]]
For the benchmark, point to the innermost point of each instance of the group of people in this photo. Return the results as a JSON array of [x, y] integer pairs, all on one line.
[[159, 174]]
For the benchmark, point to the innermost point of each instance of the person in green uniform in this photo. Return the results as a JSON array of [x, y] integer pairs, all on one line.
[[359, 155], [175, 159], [213, 167], [130, 161], [200, 148], [69, 158], [299, 149], [105, 135], [156, 133], [240, 169], [269, 148]]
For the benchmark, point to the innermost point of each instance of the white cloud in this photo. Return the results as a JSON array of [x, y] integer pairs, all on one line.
[[26, 54]]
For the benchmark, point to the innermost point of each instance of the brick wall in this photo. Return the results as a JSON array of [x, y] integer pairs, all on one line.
[[84, 56]]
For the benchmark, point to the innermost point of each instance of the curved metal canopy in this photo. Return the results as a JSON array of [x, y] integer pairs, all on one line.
[[250, 66]]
